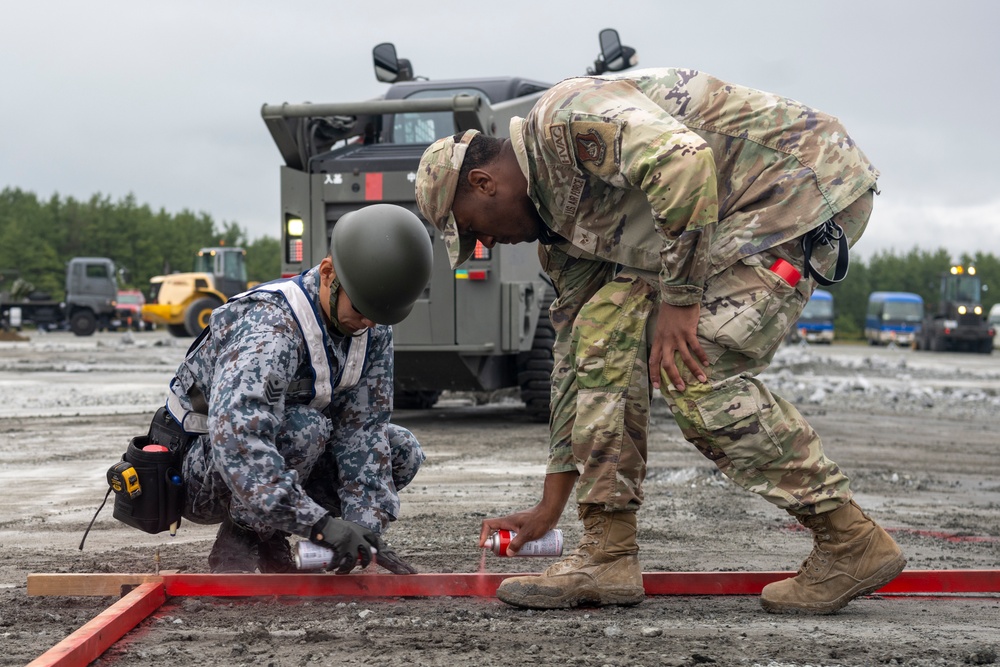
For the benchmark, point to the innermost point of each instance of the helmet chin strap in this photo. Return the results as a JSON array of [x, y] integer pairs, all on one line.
[[334, 292]]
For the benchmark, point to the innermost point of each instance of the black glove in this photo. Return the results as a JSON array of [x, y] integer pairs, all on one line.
[[387, 558], [349, 541]]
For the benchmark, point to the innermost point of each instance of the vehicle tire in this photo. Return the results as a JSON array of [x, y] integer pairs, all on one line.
[[83, 323], [178, 330], [415, 399], [534, 368], [938, 344], [198, 313]]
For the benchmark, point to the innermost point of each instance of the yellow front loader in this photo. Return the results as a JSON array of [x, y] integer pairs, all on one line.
[[184, 301]]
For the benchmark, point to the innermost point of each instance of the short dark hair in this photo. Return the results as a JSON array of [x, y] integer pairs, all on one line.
[[482, 152]]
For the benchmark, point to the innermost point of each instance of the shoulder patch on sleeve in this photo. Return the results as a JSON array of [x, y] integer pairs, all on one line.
[[596, 145], [560, 141]]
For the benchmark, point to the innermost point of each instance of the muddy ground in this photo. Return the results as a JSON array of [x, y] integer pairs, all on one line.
[[916, 431]]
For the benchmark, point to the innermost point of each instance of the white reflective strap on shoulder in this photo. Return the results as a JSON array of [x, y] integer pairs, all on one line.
[[191, 422], [314, 334], [355, 361]]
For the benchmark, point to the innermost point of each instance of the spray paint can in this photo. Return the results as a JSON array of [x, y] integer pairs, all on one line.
[[311, 556], [549, 544]]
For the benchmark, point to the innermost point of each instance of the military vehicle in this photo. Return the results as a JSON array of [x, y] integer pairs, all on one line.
[[90, 303], [479, 328], [958, 322], [184, 301]]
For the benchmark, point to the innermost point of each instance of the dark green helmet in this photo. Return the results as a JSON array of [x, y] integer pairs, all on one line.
[[382, 254]]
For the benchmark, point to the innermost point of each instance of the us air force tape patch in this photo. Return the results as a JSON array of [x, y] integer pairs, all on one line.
[[596, 145], [274, 389]]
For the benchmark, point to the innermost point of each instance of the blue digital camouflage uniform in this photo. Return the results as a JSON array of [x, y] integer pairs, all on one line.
[[275, 456], [673, 186]]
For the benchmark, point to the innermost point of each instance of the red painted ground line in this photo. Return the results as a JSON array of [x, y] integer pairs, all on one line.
[[91, 640], [914, 582]]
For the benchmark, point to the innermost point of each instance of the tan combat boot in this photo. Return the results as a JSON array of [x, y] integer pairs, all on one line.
[[851, 556], [603, 570]]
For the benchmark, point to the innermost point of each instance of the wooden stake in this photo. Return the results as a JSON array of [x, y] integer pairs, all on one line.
[[87, 583]]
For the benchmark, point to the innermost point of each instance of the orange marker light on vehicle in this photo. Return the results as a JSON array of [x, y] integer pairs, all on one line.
[[481, 251]]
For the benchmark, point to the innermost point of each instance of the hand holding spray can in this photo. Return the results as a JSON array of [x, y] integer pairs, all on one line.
[[309, 556], [549, 544]]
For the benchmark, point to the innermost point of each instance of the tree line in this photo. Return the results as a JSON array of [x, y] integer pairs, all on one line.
[[918, 271], [38, 237]]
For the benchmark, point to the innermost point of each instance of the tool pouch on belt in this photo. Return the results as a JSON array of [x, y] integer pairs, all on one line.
[[158, 505]]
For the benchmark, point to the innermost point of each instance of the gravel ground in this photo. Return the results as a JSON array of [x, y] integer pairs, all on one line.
[[915, 431]]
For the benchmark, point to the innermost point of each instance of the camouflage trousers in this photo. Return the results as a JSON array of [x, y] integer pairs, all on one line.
[[304, 444], [600, 390], [755, 437]]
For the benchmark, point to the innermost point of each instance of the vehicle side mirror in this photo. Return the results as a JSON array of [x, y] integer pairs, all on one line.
[[388, 67], [614, 56]]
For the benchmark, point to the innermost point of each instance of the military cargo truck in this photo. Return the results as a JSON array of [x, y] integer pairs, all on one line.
[[479, 328], [90, 301]]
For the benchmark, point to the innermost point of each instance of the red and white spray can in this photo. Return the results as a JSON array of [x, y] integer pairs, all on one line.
[[549, 544]]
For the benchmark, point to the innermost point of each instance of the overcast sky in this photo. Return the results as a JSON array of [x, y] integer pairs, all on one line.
[[162, 100]]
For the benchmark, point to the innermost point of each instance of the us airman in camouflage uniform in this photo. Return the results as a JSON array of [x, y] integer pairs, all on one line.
[[291, 390], [672, 202]]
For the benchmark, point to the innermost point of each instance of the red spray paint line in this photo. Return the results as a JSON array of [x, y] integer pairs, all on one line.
[[90, 641], [936, 534], [947, 537], [324, 585], [485, 585]]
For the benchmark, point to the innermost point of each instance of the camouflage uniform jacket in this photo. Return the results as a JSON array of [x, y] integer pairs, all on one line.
[[711, 172], [259, 356]]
